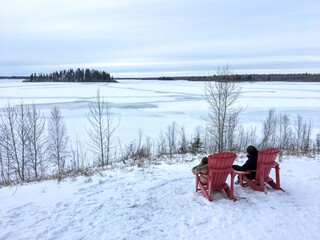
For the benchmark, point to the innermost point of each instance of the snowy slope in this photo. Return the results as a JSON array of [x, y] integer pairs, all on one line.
[[159, 202]]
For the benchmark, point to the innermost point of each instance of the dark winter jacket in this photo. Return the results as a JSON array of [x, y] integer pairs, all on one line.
[[250, 164]]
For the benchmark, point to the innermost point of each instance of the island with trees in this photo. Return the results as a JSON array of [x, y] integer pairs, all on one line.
[[78, 75]]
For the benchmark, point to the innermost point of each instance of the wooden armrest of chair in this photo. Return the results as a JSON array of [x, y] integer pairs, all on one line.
[[243, 172]]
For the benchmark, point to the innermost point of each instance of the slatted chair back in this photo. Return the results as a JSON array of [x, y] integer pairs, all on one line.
[[266, 161], [219, 166]]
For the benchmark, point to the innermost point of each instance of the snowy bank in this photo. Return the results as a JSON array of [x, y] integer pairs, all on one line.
[[159, 202]]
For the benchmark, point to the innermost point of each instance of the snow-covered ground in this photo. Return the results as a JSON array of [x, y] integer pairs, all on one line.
[[159, 202]]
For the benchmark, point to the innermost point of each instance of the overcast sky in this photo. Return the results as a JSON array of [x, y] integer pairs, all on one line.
[[159, 37]]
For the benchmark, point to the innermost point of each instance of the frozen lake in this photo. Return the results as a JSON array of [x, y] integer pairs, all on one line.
[[150, 106]]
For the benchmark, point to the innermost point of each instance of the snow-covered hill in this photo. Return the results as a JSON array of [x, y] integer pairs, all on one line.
[[159, 202]]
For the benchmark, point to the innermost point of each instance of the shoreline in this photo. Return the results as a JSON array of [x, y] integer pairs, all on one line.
[[294, 77]]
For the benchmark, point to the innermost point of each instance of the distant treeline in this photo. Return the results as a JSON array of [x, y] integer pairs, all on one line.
[[87, 75], [14, 77], [294, 77], [79, 75], [304, 77]]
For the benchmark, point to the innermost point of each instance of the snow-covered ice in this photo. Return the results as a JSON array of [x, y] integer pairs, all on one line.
[[150, 106]]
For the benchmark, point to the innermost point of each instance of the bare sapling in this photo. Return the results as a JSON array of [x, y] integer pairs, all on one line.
[[102, 129], [58, 141], [171, 135], [269, 130], [37, 142], [222, 118]]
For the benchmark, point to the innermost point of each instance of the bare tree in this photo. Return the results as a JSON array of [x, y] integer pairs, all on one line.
[[269, 130], [22, 145], [23, 130], [183, 143], [37, 141], [14, 131], [137, 152], [161, 144], [102, 128], [317, 143], [302, 135], [5, 163], [298, 125], [231, 132], [306, 137], [285, 132], [246, 137], [10, 159], [143, 150], [58, 140], [221, 121], [19, 128], [79, 157], [171, 136]]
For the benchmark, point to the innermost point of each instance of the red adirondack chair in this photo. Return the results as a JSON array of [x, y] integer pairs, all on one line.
[[219, 167], [265, 163]]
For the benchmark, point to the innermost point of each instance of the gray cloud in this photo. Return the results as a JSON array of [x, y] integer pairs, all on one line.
[[133, 36]]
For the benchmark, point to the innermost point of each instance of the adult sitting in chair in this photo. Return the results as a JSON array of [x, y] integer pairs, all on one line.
[[250, 164]]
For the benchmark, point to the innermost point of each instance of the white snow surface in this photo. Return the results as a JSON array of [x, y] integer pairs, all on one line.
[[159, 202]]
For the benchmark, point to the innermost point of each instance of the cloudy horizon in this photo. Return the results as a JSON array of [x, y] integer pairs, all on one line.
[[145, 38]]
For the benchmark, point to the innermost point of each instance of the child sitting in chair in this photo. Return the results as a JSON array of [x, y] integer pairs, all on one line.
[[201, 168]]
